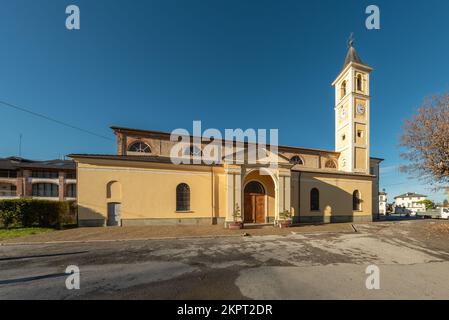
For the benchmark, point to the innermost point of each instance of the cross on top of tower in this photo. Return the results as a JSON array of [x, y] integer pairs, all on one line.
[[351, 40], [352, 55]]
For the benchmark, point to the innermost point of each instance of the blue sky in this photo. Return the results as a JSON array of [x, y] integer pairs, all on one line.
[[230, 63]]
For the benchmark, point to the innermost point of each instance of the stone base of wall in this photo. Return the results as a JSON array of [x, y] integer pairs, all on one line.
[[270, 220], [210, 221], [183, 221], [332, 219], [91, 223]]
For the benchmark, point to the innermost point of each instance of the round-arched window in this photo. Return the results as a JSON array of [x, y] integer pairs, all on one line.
[[182, 197], [356, 201], [343, 89], [330, 164], [296, 160], [254, 187], [314, 199], [139, 146], [359, 82], [193, 151]]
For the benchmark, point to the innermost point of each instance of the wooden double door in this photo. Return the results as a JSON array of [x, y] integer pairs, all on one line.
[[254, 203], [254, 208]]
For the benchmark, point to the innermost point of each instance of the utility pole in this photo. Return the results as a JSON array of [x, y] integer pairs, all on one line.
[[20, 145]]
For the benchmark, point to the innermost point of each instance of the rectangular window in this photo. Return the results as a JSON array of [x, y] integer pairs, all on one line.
[[45, 174], [71, 190], [47, 190], [8, 174], [70, 175]]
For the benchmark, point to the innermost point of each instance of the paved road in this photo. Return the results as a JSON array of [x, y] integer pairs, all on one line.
[[312, 266]]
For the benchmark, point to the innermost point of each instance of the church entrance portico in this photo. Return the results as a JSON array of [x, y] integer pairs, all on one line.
[[260, 195]]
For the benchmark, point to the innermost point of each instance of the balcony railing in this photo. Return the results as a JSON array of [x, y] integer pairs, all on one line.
[[43, 180]]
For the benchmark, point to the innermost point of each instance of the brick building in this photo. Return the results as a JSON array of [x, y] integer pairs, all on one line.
[[24, 178]]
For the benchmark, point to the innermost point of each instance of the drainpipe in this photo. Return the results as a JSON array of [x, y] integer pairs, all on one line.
[[213, 193], [299, 197]]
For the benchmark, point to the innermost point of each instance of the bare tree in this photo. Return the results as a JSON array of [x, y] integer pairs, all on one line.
[[426, 139]]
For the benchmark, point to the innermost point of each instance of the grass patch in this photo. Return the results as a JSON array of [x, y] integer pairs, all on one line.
[[20, 232]]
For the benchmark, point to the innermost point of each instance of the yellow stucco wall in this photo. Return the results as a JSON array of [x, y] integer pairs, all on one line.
[[360, 158], [335, 194], [148, 190]]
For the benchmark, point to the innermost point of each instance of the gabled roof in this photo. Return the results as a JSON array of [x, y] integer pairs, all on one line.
[[165, 134], [410, 195], [267, 156]]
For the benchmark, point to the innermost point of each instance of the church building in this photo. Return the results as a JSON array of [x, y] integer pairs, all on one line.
[[141, 185]]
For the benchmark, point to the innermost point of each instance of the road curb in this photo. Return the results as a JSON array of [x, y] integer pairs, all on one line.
[[119, 240], [167, 238]]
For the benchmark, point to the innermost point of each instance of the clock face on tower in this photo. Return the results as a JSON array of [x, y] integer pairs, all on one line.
[[360, 109]]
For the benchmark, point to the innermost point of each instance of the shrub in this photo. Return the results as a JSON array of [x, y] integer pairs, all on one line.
[[285, 215], [31, 212]]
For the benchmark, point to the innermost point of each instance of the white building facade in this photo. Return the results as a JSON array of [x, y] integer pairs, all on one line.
[[409, 203], [383, 203]]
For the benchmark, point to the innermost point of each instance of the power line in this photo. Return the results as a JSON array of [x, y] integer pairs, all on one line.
[[53, 120]]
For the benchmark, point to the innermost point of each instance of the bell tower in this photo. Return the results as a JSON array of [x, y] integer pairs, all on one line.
[[352, 113]]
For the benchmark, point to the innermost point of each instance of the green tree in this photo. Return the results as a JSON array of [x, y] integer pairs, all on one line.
[[428, 203]]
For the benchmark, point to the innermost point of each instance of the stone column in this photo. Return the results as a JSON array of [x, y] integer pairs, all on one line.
[[238, 191], [287, 193], [281, 196], [229, 196], [234, 191], [294, 195], [284, 202]]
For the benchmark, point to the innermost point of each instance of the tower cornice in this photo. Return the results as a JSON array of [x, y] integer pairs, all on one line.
[[355, 65]]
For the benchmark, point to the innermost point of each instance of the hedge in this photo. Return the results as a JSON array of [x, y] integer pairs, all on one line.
[[32, 212]]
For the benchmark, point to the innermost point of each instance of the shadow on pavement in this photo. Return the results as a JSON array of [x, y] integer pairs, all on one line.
[[397, 217], [43, 256], [28, 279]]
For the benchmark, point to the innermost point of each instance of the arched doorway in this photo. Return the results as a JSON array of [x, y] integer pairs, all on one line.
[[255, 202]]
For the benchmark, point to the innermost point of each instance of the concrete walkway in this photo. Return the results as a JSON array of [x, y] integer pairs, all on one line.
[[168, 232]]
